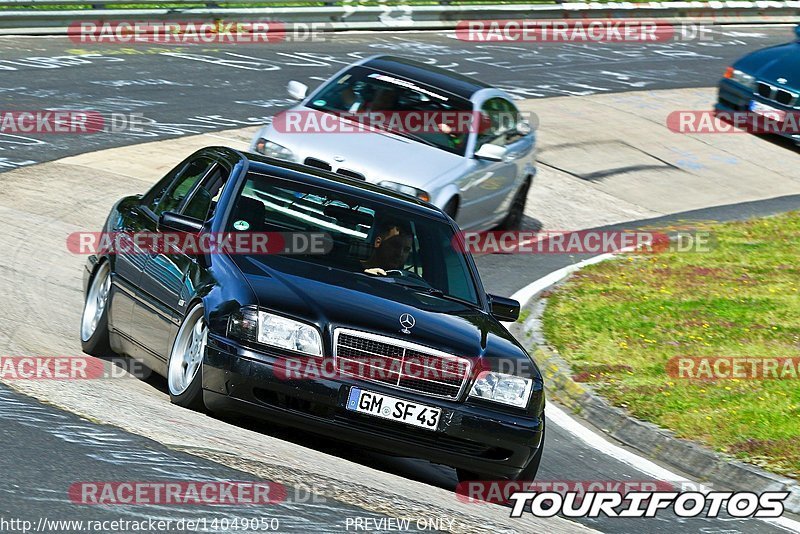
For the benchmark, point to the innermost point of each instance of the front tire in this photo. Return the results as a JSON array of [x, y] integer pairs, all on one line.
[[516, 213], [184, 367], [94, 319]]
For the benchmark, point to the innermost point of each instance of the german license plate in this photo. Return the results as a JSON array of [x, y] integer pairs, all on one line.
[[387, 407], [767, 111]]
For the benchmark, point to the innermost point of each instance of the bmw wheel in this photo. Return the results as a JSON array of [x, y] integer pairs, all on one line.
[[94, 320], [184, 375], [513, 220]]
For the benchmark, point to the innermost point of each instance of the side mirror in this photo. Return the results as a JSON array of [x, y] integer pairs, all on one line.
[[491, 152], [176, 222], [504, 309], [297, 90], [797, 31]]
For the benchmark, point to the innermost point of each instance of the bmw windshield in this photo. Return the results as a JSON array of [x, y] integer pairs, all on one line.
[[364, 90], [369, 238]]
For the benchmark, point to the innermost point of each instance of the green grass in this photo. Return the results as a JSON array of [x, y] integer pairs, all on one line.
[[619, 322]]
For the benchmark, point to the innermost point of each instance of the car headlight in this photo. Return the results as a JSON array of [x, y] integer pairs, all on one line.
[[407, 190], [267, 328], [741, 77], [274, 150], [503, 388]]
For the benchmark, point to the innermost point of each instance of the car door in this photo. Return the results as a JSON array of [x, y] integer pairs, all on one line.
[[487, 187], [162, 276], [128, 260]]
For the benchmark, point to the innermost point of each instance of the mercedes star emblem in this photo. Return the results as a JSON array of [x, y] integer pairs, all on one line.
[[782, 80], [407, 321]]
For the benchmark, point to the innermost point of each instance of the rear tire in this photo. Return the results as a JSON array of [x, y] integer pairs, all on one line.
[[94, 319], [185, 364], [516, 213]]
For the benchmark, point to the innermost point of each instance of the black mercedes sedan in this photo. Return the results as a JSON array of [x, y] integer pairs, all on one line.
[[384, 337]]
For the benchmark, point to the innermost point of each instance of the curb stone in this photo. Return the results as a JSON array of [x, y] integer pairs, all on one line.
[[700, 462]]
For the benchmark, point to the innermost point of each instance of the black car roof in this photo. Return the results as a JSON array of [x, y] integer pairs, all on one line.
[[286, 169], [446, 80]]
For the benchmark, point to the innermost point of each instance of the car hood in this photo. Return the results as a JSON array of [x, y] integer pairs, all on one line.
[[781, 61], [375, 155], [331, 298]]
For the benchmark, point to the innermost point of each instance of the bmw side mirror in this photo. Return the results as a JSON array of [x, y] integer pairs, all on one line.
[[491, 152], [176, 222], [504, 309], [297, 90]]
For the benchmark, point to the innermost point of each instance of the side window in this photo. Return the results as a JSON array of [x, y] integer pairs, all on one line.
[[204, 201], [188, 177], [503, 118]]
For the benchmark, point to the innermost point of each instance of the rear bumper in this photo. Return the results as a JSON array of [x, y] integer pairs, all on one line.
[[476, 438]]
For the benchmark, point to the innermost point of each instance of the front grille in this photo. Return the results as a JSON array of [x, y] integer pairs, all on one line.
[[318, 164], [764, 90], [400, 364], [776, 94], [784, 97]]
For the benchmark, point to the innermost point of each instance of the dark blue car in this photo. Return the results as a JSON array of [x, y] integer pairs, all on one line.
[[765, 82]]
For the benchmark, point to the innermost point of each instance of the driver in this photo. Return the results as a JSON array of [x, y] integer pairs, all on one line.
[[390, 250]]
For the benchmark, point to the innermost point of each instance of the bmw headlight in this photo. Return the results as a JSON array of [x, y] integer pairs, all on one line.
[[274, 150], [503, 388], [274, 330], [406, 190], [741, 77]]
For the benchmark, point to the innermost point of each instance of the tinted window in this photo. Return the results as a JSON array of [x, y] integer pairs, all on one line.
[[204, 201], [368, 237], [187, 178]]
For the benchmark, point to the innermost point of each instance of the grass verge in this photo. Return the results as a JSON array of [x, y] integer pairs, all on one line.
[[620, 322]]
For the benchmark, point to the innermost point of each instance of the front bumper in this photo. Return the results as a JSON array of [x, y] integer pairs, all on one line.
[[733, 97], [476, 438]]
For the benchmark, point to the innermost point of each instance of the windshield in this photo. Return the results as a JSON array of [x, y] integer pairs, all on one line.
[[369, 238], [364, 90]]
